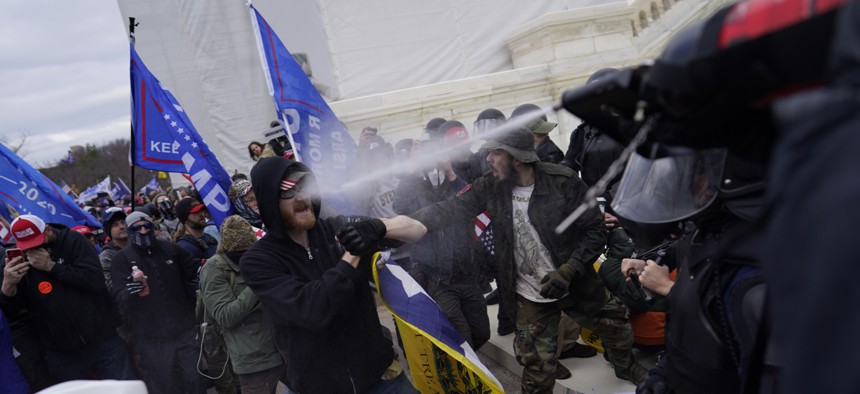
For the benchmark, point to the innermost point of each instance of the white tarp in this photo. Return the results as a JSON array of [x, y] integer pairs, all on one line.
[[205, 53]]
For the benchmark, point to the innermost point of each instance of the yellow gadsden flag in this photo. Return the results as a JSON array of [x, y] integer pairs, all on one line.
[[440, 360]]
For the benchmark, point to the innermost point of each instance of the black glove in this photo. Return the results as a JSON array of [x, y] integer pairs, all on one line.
[[655, 384], [362, 237], [340, 221], [554, 285], [133, 287]]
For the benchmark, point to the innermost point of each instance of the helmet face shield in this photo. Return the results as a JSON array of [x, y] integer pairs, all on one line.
[[670, 188], [485, 125]]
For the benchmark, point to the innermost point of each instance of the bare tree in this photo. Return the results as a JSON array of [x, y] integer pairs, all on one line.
[[17, 148]]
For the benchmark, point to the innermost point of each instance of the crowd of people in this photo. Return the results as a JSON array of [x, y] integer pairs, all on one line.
[[279, 293], [174, 301]]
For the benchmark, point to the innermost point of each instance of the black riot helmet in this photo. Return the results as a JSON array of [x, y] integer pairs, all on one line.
[[602, 73], [487, 120], [689, 183], [676, 78]]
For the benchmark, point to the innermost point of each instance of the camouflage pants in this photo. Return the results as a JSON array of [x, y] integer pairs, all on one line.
[[536, 341]]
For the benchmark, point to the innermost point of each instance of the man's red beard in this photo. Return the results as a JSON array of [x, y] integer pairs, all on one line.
[[302, 216]]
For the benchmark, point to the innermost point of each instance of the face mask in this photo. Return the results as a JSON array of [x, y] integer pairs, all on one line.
[[142, 240]]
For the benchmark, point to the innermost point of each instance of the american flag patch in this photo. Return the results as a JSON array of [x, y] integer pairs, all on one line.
[[484, 232], [482, 221], [287, 184]]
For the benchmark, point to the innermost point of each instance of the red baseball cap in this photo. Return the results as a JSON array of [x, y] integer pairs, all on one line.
[[84, 230], [29, 231], [187, 206], [454, 132]]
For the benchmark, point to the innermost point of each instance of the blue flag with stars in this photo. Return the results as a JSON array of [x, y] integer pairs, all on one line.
[[24, 190], [321, 140], [165, 140]]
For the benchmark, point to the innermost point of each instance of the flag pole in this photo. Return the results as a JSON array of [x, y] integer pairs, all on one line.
[[263, 62], [131, 26]]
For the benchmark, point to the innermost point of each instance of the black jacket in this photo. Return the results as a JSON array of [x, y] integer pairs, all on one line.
[[548, 151], [171, 274], [324, 313], [446, 255], [591, 153], [557, 192], [69, 307]]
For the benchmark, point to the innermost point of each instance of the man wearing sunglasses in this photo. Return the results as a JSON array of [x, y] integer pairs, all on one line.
[[158, 314], [316, 294]]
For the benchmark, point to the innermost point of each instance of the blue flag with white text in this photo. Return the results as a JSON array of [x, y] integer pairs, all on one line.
[[150, 187], [119, 190], [24, 190], [321, 140], [93, 191], [174, 144]]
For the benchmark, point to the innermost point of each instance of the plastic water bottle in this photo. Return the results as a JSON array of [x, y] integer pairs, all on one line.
[[138, 276]]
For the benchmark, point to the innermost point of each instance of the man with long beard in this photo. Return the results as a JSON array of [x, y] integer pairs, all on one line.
[[317, 295], [540, 273]]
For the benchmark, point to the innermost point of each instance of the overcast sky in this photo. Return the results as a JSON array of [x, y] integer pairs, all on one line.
[[64, 75]]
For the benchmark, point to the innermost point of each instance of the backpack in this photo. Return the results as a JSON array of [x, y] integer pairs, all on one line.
[[200, 244], [213, 349]]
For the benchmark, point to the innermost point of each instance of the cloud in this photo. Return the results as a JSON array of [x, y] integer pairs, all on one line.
[[64, 75], [48, 147]]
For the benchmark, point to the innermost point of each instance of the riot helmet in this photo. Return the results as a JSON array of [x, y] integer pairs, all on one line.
[[488, 120], [688, 182], [669, 188], [601, 74]]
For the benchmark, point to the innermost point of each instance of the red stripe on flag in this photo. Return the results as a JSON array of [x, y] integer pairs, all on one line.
[[481, 223]]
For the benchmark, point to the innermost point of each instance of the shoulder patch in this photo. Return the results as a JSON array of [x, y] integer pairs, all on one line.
[[464, 189]]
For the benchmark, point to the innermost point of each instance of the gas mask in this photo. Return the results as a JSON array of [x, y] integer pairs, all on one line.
[[166, 209]]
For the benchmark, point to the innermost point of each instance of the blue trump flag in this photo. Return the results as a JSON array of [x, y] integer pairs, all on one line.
[[178, 147], [150, 187], [93, 191], [319, 137], [27, 191], [119, 190], [440, 360]]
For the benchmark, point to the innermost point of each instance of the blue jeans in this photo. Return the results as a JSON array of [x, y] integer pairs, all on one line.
[[105, 360], [398, 385]]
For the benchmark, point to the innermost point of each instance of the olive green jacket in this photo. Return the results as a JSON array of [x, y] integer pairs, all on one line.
[[557, 193], [250, 341]]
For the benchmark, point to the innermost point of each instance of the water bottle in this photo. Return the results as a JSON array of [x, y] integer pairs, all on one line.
[[138, 276]]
